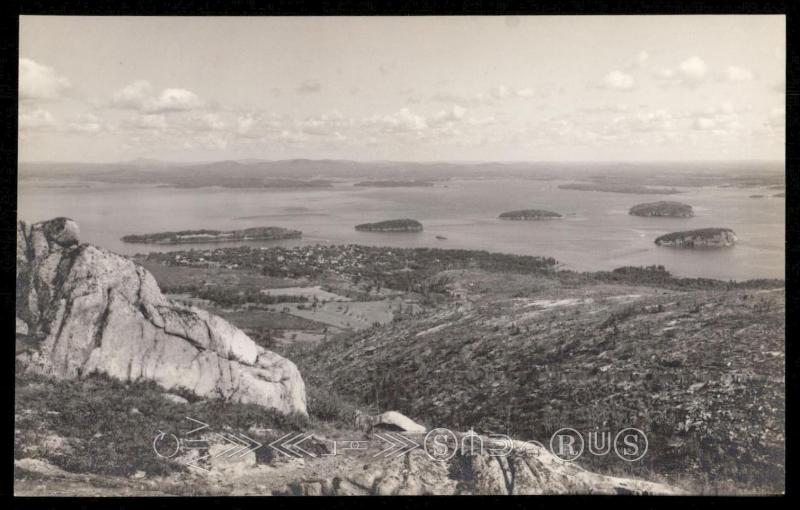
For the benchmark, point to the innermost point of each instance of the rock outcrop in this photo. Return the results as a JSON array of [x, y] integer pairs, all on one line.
[[83, 309], [700, 238], [526, 469]]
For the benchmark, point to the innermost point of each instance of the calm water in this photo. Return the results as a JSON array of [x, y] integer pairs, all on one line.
[[596, 233]]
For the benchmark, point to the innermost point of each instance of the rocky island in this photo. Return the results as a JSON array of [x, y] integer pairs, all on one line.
[[662, 208], [403, 225], [700, 238], [530, 215], [214, 236]]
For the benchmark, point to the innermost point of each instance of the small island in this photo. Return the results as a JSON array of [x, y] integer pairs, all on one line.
[[530, 215], [214, 236], [701, 238], [663, 209], [404, 225], [394, 184]]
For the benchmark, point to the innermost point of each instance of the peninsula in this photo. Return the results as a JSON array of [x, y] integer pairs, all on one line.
[[663, 208], [530, 215], [700, 238], [403, 225], [214, 236]]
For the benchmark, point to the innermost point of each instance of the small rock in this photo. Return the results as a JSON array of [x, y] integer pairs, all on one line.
[[138, 475], [134, 411], [175, 399]]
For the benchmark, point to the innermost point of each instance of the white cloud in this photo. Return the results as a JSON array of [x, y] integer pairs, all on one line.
[[214, 122], [139, 96], [734, 73], [704, 123], [36, 119], [617, 80], [157, 122], [86, 123], [638, 61], [37, 81], [693, 69], [526, 92], [777, 117], [500, 92], [174, 100]]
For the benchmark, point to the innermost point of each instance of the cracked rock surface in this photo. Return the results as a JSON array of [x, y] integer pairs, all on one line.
[[82, 309]]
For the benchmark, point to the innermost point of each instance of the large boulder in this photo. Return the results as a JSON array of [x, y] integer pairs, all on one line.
[[89, 310]]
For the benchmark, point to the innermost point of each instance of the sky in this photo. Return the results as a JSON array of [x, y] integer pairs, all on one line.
[[493, 88]]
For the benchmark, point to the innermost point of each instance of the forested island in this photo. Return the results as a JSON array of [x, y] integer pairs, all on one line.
[[403, 225], [700, 238], [662, 208], [530, 215], [214, 236]]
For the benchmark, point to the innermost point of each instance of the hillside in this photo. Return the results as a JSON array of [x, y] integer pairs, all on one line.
[[699, 370]]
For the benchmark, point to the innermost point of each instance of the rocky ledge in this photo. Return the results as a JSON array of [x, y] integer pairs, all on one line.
[[530, 215], [701, 238], [404, 225], [82, 309], [214, 236], [527, 469], [663, 208]]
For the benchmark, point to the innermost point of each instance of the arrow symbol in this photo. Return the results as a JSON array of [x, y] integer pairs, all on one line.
[[201, 427], [398, 445], [250, 448], [294, 445], [280, 446]]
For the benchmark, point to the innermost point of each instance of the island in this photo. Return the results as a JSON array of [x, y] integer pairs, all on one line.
[[403, 225], [530, 215], [394, 184], [619, 188], [700, 238], [663, 208], [214, 236]]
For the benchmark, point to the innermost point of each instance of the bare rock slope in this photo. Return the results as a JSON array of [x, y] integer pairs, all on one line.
[[82, 309]]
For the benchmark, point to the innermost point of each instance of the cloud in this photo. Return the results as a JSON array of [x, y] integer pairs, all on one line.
[[777, 117], [693, 69], [691, 72], [734, 73], [617, 80], [139, 96], [150, 122], [638, 61], [85, 123], [37, 81], [36, 119], [401, 121], [174, 100], [308, 87]]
